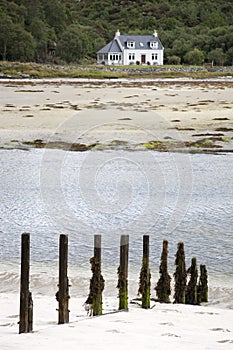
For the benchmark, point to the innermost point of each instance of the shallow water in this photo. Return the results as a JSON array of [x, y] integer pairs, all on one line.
[[173, 196]]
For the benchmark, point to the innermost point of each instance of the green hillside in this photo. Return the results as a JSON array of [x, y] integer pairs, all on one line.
[[72, 31]]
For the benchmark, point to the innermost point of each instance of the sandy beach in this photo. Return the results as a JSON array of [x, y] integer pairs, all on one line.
[[183, 115], [162, 327]]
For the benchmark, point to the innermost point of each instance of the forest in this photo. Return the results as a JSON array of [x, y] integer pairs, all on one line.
[[71, 31]]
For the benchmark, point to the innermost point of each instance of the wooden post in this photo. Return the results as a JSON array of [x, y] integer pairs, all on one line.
[[123, 273], [145, 265], [62, 295], [97, 300], [97, 249], [163, 287], [180, 275], [26, 304], [94, 299], [203, 285]]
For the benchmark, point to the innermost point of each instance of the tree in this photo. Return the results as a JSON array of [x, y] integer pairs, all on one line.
[[215, 20], [191, 292], [181, 28], [22, 45], [73, 45], [163, 288], [173, 59], [180, 275], [217, 56], [194, 56], [6, 35], [230, 56], [55, 14], [40, 33], [77, 42]]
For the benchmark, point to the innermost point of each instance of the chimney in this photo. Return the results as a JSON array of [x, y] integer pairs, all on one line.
[[117, 33], [155, 34]]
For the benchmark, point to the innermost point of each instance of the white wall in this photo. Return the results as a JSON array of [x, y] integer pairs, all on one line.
[[137, 57], [139, 53]]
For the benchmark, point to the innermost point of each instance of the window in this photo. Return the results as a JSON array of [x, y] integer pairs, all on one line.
[[131, 56], [154, 44], [154, 56], [115, 57], [130, 44]]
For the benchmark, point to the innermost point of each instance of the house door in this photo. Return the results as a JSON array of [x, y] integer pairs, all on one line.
[[143, 59]]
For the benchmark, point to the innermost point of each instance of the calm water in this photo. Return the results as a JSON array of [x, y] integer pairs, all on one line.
[[178, 197]]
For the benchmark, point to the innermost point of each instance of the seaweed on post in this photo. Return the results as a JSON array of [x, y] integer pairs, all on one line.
[[123, 290], [123, 273], [180, 275], [145, 276], [191, 291], [163, 287], [94, 299], [202, 289], [144, 286]]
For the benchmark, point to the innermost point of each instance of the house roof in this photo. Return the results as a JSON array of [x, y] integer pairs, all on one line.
[[113, 46], [140, 41]]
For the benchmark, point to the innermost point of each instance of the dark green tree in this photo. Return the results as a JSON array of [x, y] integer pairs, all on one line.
[[202, 290], [72, 45], [22, 45], [191, 291], [217, 56], [230, 56], [182, 26], [194, 57], [6, 35], [163, 287], [180, 275], [173, 59]]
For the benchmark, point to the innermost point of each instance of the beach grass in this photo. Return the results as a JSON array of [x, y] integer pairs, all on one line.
[[34, 70]]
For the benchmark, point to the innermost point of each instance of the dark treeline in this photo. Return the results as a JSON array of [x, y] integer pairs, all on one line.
[[191, 31]]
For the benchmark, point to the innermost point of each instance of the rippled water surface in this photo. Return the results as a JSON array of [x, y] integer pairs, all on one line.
[[169, 196]]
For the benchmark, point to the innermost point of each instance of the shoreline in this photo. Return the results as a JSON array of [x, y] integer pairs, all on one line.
[[117, 145]]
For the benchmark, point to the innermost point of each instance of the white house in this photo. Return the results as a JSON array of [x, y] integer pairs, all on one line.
[[132, 49]]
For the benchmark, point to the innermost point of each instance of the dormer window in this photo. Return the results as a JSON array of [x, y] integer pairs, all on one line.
[[131, 44], [153, 44]]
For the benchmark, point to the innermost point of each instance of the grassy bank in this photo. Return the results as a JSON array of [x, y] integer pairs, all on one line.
[[33, 70]]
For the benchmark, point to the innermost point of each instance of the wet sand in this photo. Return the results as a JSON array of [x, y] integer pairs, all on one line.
[[185, 115]]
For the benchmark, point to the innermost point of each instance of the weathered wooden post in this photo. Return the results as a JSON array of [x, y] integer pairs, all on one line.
[[26, 303], [94, 300], [203, 285], [191, 290], [123, 273], [97, 300], [163, 287], [144, 284], [62, 295], [97, 249], [180, 275]]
